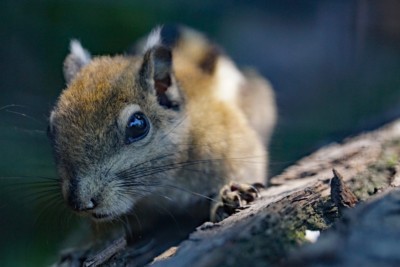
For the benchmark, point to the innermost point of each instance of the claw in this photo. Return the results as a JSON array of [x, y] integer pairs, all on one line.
[[235, 197]]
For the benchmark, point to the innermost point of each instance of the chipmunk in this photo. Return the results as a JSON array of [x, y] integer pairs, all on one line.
[[168, 125]]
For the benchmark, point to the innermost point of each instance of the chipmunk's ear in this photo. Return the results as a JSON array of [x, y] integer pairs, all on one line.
[[156, 72], [77, 58]]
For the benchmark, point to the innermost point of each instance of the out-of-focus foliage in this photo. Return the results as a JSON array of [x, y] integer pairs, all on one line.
[[335, 66]]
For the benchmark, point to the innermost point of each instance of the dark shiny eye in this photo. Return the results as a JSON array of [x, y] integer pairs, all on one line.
[[137, 128]]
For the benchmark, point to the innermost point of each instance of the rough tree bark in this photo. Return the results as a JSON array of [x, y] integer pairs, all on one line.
[[271, 231]]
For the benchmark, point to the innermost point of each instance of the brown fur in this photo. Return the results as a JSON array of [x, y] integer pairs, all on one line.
[[208, 142]]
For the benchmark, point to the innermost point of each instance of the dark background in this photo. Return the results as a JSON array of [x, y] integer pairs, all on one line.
[[335, 66]]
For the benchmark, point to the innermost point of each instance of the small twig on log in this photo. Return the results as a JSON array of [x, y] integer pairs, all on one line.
[[341, 195], [106, 254], [368, 237]]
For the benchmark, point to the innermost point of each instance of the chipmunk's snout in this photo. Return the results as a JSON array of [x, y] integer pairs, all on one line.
[[80, 199], [81, 206], [95, 196]]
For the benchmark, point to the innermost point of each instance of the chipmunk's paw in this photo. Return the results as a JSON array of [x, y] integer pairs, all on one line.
[[234, 197]]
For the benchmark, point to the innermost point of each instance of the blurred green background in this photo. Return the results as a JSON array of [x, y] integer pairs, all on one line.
[[335, 66]]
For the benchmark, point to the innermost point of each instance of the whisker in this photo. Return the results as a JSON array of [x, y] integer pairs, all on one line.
[[110, 168], [33, 196], [154, 159], [23, 188], [138, 191], [158, 184], [11, 106], [30, 131], [51, 202], [127, 226], [161, 208], [44, 194], [24, 115], [191, 192], [173, 128], [29, 187], [29, 177], [169, 215], [146, 171], [177, 164]]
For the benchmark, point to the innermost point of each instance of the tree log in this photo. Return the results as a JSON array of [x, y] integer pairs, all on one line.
[[271, 231]]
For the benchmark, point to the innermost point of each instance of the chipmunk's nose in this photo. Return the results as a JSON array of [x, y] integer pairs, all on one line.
[[81, 205], [88, 205], [79, 202]]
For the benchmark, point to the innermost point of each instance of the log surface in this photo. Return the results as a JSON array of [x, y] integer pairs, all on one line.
[[272, 230]]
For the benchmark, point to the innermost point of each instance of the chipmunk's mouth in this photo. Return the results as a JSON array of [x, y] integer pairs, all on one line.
[[101, 216]]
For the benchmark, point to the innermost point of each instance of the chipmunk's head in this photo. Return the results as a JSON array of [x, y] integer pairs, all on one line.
[[116, 127]]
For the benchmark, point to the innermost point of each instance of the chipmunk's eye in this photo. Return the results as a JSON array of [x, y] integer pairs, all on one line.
[[137, 128]]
